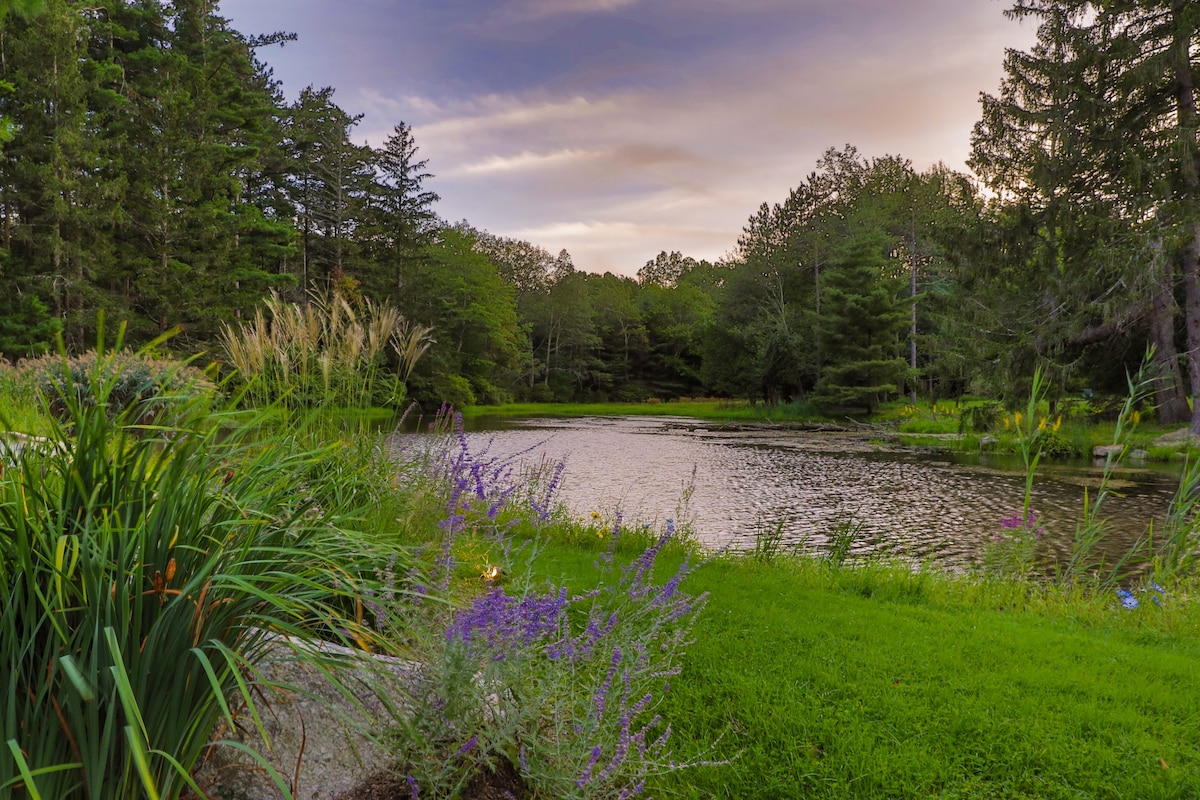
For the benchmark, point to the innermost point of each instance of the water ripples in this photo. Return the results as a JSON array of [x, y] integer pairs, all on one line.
[[741, 484]]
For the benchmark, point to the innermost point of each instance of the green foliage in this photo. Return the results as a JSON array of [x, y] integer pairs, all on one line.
[[860, 329], [133, 385], [457, 291], [142, 573]]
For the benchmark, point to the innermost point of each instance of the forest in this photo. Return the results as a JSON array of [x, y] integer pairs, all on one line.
[[152, 171]]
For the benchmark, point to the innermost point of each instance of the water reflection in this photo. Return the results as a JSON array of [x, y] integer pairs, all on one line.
[[741, 483]]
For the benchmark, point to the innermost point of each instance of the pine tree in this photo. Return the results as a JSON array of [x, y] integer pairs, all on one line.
[[59, 198], [1094, 136], [402, 220], [861, 326], [329, 182]]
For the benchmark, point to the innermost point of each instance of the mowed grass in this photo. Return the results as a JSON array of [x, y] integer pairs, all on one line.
[[877, 682]]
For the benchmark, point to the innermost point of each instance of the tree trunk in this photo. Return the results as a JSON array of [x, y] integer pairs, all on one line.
[[1170, 399], [1185, 98]]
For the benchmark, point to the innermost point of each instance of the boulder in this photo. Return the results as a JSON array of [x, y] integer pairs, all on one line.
[[321, 738]]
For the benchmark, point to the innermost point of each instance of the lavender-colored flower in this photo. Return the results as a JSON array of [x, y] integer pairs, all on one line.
[[632, 791], [468, 746], [1127, 599], [498, 624], [586, 777], [600, 698], [413, 793]]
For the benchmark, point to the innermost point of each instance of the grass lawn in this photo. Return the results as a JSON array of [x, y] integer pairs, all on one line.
[[879, 683]]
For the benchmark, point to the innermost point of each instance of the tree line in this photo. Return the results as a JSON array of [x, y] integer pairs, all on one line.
[[154, 171]]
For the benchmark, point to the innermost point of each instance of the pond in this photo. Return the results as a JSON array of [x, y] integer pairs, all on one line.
[[731, 486]]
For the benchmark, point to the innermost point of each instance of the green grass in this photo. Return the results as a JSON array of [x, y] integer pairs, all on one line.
[[883, 683]]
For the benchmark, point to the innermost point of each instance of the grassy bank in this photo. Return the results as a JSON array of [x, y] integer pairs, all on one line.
[[706, 409], [586, 659], [875, 682], [969, 426]]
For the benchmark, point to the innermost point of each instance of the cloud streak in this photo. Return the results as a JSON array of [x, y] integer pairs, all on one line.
[[619, 128]]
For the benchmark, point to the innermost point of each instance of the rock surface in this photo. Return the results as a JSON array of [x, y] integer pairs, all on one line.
[[320, 737]]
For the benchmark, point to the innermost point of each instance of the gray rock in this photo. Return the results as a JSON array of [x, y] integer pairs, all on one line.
[[1104, 450], [13, 443], [322, 737]]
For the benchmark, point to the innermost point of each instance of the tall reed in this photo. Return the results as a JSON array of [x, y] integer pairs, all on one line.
[[1091, 528]]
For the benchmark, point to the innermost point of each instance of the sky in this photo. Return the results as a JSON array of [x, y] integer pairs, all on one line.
[[616, 129]]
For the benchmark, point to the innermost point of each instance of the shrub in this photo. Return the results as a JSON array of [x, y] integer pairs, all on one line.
[[141, 574], [561, 686], [133, 385]]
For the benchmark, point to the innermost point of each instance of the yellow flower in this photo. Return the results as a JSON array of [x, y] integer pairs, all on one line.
[[1016, 419], [1041, 424], [1057, 424], [595, 515], [1135, 417]]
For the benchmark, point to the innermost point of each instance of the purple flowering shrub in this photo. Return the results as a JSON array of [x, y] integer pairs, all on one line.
[[564, 686]]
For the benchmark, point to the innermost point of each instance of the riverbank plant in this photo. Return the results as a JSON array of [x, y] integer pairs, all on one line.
[[143, 569], [558, 682], [327, 351]]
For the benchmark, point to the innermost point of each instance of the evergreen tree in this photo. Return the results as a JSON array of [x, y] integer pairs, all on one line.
[[330, 181], [60, 201], [1093, 137], [402, 220], [861, 326], [198, 112]]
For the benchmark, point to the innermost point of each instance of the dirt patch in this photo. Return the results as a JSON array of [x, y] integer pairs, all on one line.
[[502, 783]]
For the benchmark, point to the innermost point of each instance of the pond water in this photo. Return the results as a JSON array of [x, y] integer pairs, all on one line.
[[733, 485]]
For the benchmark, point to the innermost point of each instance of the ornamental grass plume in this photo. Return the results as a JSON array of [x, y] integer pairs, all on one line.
[[326, 351]]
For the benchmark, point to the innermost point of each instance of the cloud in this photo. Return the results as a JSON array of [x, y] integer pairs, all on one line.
[[495, 112], [619, 128], [537, 9], [522, 162]]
